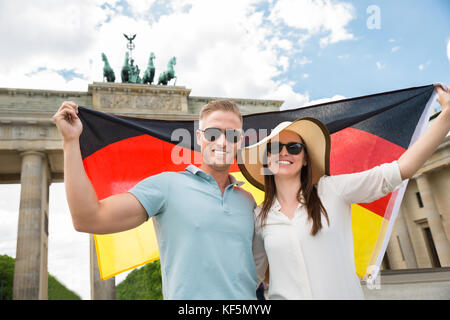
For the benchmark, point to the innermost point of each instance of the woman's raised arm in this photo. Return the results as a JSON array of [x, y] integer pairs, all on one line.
[[416, 155]]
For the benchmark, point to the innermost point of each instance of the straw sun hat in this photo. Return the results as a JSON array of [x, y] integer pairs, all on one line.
[[316, 139]]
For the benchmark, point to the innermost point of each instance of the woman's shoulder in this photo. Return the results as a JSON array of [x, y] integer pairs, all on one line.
[[324, 182], [328, 185], [257, 210], [257, 221]]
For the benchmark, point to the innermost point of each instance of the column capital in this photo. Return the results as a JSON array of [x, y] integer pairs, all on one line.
[[422, 175], [35, 152]]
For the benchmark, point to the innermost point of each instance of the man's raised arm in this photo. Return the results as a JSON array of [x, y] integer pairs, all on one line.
[[114, 214]]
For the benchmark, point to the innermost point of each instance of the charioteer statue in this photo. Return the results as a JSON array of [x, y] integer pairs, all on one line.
[[130, 72]]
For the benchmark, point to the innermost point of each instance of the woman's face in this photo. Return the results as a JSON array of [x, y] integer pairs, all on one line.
[[285, 164]]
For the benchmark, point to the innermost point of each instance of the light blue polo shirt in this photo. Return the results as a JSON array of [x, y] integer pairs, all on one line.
[[204, 238]]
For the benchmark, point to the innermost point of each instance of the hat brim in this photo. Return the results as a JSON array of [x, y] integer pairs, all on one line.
[[315, 136]]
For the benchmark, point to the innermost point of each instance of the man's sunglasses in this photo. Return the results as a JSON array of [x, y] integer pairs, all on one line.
[[212, 134], [291, 147]]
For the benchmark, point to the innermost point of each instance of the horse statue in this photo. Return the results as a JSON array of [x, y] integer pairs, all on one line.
[[108, 72], [126, 69], [149, 73], [169, 74]]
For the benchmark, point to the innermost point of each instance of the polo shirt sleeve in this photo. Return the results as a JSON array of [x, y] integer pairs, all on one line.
[[152, 193], [369, 185]]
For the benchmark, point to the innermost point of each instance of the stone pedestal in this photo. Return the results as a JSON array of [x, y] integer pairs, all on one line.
[[100, 289], [30, 271]]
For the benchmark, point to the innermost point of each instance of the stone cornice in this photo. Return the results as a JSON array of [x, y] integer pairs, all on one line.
[[440, 159], [42, 92], [240, 101], [44, 117]]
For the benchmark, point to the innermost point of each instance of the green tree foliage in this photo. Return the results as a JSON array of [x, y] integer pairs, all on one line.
[[56, 290], [6, 277], [142, 284]]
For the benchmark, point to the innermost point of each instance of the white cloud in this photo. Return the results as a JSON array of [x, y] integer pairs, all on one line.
[[140, 8], [291, 98], [316, 17], [305, 102], [303, 61], [323, 100], [47, 33], [218, 49], [344, 56], [380, 65], [305, 75], [284, 62], [396, 48], [425, 65], [284, 44], [68, 252]]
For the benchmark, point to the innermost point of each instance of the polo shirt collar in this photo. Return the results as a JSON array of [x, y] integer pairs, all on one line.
[[197, 171], [234, 181]]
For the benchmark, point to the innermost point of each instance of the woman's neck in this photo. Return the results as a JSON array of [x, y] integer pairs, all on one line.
[[287, 188]]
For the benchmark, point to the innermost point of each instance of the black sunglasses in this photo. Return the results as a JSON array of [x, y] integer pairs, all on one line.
[[291, 147], [212, 134]]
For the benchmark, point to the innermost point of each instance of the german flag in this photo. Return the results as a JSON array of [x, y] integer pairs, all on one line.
[[367, 131]]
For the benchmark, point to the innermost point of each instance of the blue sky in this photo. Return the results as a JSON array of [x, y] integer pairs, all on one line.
[[299, 51], [412, 33]]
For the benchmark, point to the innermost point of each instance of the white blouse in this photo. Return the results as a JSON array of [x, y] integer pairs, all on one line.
[[303, 266]]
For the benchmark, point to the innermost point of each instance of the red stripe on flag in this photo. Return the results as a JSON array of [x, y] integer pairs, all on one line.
[[119, 166], [354, 150]]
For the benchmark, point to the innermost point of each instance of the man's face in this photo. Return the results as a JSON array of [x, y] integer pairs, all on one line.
[[220, 153]]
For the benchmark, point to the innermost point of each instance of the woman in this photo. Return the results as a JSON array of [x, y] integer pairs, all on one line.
[[303, 231]]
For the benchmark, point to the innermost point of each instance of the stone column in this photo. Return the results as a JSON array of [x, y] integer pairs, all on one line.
[[394, 253], [434, 220], [30, 271], [100, 289], [405, 241]]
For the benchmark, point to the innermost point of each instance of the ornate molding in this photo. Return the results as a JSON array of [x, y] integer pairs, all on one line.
[[129, 97]]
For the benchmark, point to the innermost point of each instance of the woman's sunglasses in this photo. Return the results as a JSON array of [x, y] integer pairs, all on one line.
[[212, 134], [291, 147]]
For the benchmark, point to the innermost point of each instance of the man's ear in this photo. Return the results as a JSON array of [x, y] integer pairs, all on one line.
[[198, 136]]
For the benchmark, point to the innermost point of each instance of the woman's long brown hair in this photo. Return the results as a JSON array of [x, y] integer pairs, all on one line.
[[310, 197]]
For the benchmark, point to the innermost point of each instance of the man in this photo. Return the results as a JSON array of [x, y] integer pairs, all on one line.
[[203, 219]]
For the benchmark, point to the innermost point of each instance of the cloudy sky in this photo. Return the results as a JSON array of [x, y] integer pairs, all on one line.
[[299, 51]]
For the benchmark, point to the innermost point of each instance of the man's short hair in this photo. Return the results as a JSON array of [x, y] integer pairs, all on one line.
[[224, 105]]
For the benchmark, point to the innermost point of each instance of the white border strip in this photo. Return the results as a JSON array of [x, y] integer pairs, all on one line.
[[421, 127]]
